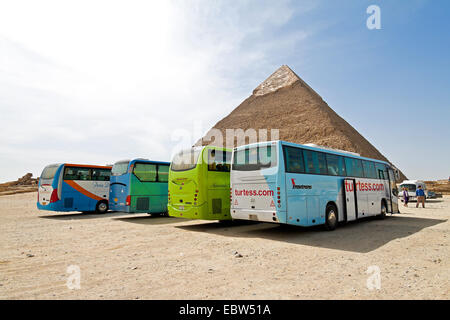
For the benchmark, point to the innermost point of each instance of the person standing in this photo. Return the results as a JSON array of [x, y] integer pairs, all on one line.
[[420, 194], [405, 197]]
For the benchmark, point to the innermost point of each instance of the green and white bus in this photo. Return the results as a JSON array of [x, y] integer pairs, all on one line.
[[199, 184]]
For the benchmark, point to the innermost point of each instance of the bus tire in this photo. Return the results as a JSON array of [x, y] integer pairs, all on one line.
[[331, 217], [101, 207], [382, 215]]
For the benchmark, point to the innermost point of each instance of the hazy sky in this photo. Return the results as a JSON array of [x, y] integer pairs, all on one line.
[[99, 81]]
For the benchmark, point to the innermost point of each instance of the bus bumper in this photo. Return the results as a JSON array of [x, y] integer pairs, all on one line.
[[254, 215], [195, 212], [191, 212]]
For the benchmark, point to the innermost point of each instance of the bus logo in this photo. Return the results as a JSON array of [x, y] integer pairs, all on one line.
[[301, 186]]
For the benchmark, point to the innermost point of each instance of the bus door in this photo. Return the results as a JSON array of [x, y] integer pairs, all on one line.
[[351, 204], [393, 192]]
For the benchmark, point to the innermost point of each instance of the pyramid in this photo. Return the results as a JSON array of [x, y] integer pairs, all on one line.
[[285, 102]]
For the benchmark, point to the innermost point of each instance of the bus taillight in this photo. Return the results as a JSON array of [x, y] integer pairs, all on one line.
[[128, 200], [54, 196]]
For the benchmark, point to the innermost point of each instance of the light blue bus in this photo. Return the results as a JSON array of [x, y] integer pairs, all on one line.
[[307, 185], [139, 186], [74, 187]]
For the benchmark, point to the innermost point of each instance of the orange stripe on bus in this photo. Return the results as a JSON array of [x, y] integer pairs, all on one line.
[[80, 189]]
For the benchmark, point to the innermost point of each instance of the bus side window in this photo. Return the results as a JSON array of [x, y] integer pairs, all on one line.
[[342, 169], [386, 173], [354, 167], [73, 173], [163, 173], [219, 160], [294, 160], [335, 165], [315, 162], [101, 174], [321, 158], [69, 174], [369, 169], [380, 171], [227, 164], [309, 162], [84, 174], [145, 172]]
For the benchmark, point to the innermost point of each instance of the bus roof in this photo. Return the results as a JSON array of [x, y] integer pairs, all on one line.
[[412, 181], [148, 161], [314, 148], [199, 148], [86, 165]]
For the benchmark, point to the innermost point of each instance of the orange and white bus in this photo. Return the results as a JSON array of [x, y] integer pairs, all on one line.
[[74, 187]]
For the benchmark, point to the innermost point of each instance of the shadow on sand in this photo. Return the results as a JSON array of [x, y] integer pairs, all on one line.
[[151, 219], [82, 215], [363, 236]]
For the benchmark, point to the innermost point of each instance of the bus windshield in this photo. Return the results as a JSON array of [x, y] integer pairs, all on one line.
[[255, 158], [185, 160], [49, 172], [409, 187], [119, 168]]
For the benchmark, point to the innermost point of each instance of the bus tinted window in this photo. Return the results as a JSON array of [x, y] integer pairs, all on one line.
[[255, 158], [335, 165], [379, 167], [294, 160], [74, 173], [163, 173], [369, 169], [101, 174], [321, 159], [145, 172], [354, 167], [49, 172], [119, 168], [185, 160], [386, 172], [309, 161], [219, 160], [409, 187], [315, 162]]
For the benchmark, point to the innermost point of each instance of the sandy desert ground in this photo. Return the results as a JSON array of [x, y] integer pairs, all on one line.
[[124, 256]]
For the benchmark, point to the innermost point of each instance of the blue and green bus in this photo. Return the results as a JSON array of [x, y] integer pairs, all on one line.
[[307, 185], [139, 186], [74, 187]]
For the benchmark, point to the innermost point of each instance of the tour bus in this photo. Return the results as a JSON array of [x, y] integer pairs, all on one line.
[[74, 187], [308, 185], [411, 187], [199, 182], [139, 186]]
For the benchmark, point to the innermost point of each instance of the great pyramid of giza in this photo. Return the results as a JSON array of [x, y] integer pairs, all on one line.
[[285, 102]]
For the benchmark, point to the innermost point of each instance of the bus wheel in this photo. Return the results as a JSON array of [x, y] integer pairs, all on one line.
[[382, 215], [331, 217], [102, 207]]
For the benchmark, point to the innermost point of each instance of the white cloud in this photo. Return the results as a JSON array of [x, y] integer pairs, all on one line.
[[98, 81]]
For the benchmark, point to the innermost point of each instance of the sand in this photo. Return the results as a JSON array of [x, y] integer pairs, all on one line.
[[124, 256]]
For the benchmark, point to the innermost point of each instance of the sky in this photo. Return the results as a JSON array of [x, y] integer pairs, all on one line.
[[100, 81]]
